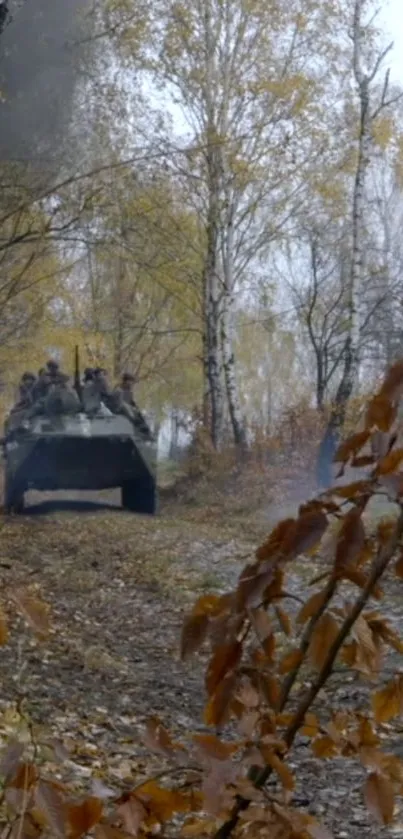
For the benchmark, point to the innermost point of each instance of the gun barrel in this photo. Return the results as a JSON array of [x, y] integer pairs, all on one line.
[[77, 380]]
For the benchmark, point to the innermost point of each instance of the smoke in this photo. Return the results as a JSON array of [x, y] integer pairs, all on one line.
[[40, 57]]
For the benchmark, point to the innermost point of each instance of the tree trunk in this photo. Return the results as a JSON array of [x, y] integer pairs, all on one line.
[[174, 436], [227, 336], [118, 333], [214, 363], [234, 406], [351, 351], [212, 316], [212, 285], [206, 394]]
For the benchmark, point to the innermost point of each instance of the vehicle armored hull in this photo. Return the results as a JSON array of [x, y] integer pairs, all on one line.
[[80, 453]]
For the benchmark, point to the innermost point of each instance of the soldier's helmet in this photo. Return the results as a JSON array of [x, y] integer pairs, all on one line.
[[88, 374], [28, 378]]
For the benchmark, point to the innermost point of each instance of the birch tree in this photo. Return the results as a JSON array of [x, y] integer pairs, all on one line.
[[373, 101], [319, 297], [382, 337], [249, 90], [136, 292]]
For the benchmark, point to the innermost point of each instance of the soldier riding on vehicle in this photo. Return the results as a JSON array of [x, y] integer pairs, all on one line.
[[85, 436]]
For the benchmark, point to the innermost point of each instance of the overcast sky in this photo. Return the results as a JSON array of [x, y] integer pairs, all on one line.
[[392, 15]]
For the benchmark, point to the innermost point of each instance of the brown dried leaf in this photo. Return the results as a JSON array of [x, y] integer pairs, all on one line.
[[387, 702], [3, 628], [10, 758], [214, 748], [381, 629], [50, 803], [132, 812], [252, 583], [399, 567], [348, 654], [289, 661], [352, 490], [385, 530], [392, 767], [323, 636], [248, 696], [390, 462], [324, 747], [225, 658], [368, 657], [350, 542], [218, 706], [247, 724], [321, 504], [360, 579], [284, 621], [381, 412], [379, 797], [274, 541], [284, 773], [392, 386], [362, 461], [362, 632], [157, 737], [209, 604], [261, 624], [194, 632], [305, 534], [83, 817], [35, 612], [269, 689], [350, 447], [311, 606], [163, 803], [25, 776], [310, 727], [366, 734]]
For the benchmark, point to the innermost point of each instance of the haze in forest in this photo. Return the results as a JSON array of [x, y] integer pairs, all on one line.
[[39, 61]]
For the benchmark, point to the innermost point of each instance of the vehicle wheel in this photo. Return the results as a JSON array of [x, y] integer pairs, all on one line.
[[140, 496], [13, 497]]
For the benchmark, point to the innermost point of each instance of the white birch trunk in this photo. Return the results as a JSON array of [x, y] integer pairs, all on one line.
[[228, 251], [352, 347], [227, 340], [214, 361], [212, 285]]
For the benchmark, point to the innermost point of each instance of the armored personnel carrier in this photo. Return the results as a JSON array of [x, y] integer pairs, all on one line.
[[79, 452]]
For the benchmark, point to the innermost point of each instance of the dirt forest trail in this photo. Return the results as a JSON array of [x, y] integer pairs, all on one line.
[[119, 586]]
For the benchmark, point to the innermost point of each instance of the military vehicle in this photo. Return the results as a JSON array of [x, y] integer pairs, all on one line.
[[78, 452]]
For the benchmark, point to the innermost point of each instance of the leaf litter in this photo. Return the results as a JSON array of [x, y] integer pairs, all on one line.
[[118, 586]]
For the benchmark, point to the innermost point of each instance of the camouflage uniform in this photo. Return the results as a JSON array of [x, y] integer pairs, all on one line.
[[41, 385], [21, 409], [61, 397], [124, 404], [96, 392], [26, 387]]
